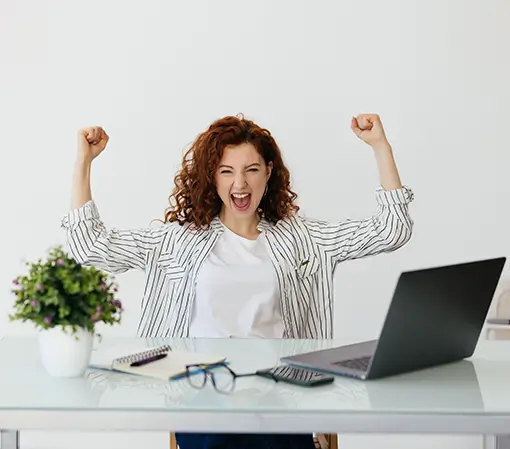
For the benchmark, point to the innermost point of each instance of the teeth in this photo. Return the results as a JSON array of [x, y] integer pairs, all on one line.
[[240, 195]]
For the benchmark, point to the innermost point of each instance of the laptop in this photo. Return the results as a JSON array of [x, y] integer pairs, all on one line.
[[435, 317]]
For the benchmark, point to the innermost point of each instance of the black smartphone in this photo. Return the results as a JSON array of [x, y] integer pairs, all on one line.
[[297, 376]]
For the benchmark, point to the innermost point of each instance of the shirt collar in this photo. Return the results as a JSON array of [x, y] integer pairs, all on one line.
[[217, 225]]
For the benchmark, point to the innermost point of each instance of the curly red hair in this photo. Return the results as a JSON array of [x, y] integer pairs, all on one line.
[[194, 199]]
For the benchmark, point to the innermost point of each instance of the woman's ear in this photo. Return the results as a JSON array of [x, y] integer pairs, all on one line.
[[269, 170]]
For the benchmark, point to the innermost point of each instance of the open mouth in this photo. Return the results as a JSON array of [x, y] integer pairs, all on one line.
[[241, 201]]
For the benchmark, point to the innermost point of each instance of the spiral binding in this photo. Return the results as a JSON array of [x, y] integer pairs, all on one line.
[[131, 358]]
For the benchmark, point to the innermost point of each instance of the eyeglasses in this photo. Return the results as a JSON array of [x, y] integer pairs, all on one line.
[[222, 377]]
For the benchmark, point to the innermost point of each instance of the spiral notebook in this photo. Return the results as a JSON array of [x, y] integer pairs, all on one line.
[[160, 362]]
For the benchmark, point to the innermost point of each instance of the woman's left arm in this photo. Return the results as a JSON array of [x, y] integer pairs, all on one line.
[[369, 128], [391, 226]]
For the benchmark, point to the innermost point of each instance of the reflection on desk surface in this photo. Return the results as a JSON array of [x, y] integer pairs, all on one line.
[[449, 387]]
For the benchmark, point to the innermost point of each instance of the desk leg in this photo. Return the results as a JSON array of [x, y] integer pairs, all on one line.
[[9, 439], [496, 442]]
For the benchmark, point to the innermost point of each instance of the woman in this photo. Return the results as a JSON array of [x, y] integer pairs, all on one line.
[[234, 258]]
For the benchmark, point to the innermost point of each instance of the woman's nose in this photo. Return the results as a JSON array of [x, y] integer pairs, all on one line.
[[240, 181]]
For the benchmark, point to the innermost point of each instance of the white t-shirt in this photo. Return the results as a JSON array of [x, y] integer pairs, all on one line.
[[237, 291]]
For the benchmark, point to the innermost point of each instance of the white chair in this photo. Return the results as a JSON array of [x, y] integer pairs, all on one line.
[[501, 310]]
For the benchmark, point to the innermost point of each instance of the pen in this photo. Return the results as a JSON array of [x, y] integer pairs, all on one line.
[[149, 360]]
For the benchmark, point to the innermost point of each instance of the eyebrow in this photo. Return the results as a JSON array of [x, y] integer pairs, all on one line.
[[255, 164]]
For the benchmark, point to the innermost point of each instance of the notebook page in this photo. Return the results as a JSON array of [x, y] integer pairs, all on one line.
[[174, 364], [104, 356]]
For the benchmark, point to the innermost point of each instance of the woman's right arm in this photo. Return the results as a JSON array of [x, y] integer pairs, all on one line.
[[89, 242]]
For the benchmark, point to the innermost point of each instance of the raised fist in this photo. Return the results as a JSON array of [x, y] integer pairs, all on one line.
[[91, 142]]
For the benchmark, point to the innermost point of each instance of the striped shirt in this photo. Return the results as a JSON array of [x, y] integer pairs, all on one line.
[[303, 251]]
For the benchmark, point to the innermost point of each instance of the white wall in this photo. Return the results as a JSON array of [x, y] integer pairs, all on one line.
[[156, 74]]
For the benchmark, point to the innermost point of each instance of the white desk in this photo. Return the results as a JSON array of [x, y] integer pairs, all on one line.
[[463, 398]]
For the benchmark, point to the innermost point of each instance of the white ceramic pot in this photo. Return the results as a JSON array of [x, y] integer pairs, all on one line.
[[65, 354]]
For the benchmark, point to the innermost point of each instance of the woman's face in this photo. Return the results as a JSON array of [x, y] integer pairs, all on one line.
[[241, 180]]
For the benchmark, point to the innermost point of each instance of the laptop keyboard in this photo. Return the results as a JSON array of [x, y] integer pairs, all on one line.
[[360, 363]]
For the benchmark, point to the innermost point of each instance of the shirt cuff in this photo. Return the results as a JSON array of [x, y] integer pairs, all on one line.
[[403, 195], [88, 211]]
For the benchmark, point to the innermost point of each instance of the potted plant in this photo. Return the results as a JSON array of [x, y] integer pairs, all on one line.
[[65, 301]]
